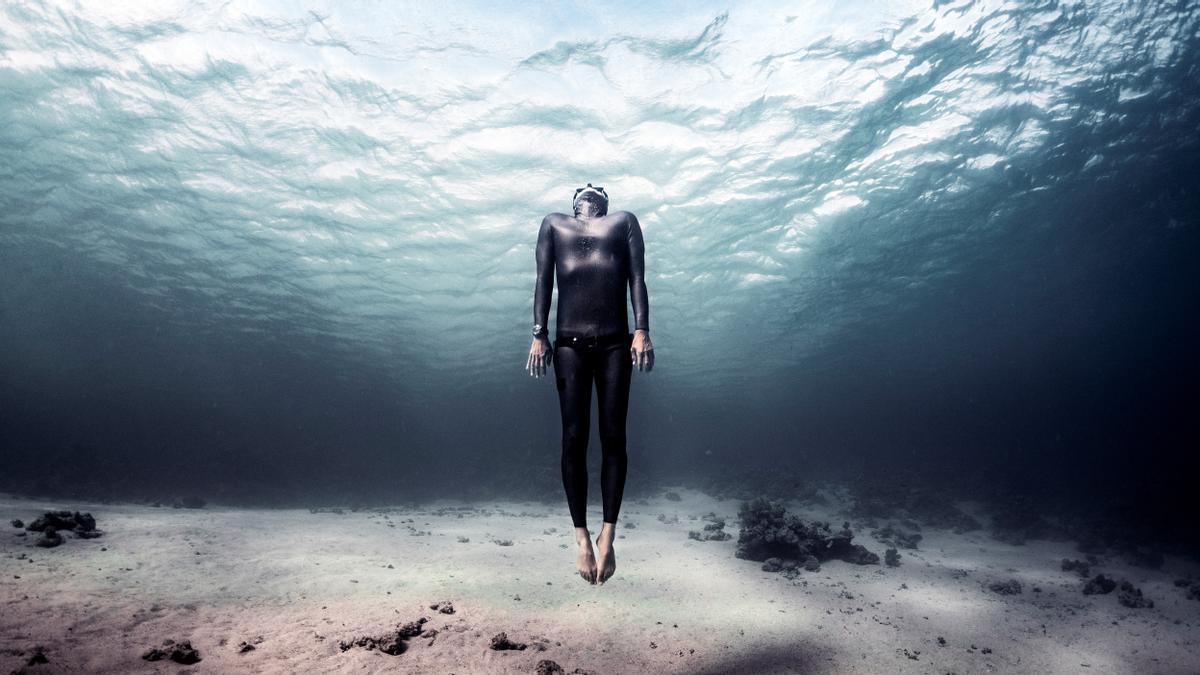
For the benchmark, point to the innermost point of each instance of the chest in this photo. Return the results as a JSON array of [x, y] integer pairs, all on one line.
[[587, 241]]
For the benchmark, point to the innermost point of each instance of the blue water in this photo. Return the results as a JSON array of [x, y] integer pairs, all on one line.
[[276, 231]]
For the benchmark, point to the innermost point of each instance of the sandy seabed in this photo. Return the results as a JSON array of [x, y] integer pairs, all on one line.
[[297, 584]]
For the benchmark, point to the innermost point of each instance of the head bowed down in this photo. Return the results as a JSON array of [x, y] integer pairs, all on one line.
[[590, 200]]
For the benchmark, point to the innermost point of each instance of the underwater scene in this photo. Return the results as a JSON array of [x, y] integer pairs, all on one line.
[[628, 337]]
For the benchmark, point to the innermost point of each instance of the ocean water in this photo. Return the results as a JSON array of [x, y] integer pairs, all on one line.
[[289, 244]]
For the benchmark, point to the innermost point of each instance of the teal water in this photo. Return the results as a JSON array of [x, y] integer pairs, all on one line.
[[274, 231]]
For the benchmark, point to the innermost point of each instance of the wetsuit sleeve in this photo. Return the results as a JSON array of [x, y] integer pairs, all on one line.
[[637, 276], [544, 286]]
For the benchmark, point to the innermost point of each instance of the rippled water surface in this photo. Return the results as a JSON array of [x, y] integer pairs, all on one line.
[[325, 213]]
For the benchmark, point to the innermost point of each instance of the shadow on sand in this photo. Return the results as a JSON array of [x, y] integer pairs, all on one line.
[[796, 657]]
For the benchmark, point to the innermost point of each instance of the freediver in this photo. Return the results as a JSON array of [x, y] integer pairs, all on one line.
[[596, 255]]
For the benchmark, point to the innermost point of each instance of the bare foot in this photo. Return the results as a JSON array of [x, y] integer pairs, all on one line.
[[606, 557], [585, 560]]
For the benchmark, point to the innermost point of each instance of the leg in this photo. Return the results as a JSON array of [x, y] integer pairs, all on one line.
[[613, 373], [571, 369], [574, 378]]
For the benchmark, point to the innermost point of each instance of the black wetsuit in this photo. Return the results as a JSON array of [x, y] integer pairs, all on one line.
[[595, 261]]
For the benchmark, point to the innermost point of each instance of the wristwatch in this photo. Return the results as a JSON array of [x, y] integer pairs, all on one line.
[[539, 330]]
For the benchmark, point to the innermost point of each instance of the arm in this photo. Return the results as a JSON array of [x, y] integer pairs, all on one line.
[[637, 276], [545, 273], [540, 354], [642, 350]]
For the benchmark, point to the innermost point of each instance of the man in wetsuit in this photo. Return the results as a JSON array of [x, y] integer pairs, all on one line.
[[596, 255]]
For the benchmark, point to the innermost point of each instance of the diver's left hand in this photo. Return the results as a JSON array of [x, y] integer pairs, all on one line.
[[642, 351]]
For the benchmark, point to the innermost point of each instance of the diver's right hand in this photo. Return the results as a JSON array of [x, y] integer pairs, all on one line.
[[540, 356]]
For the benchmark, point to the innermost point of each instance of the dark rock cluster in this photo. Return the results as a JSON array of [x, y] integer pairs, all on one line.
[[714, 530], [393, 643], [1099, 585], [445, 607], [37, 658], [179, 652], [891, 557], [64, 520], [790, 568], [768, 531], [49, 524], [548, 667], [1127, 594], [49, 539], [500, 641], [1192, 586], [244, 646], [1132, 597]]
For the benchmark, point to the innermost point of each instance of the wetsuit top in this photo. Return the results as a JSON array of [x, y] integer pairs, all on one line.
[[594, 261]]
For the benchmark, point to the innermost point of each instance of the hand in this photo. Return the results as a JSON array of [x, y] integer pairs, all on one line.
[[642, 350], [540, 356]]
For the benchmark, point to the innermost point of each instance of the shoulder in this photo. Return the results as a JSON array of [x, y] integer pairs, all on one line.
[[624, 217], [627, 219], [552, 219]]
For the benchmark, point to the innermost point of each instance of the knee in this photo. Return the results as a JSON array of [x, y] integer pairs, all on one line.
[[574, 440], [613, 444]]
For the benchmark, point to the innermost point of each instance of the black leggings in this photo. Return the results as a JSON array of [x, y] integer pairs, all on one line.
[[577, 362]]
